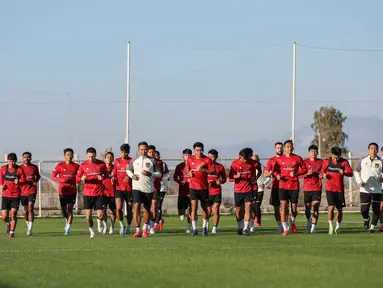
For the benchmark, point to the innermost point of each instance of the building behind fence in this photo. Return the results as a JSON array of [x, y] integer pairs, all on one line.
[[47, 202]]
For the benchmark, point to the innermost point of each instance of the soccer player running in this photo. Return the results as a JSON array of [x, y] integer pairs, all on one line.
[[312, 187], [142, 170], [123, 190], [65, 173], [381, 203], [11, 175], [92, 172], [243, 174], [258, 191], [291, 166], [333, 170], [182, 179], [29, 189], [198, 167], [157, 188], [215, 189], [369, 175], [268, 172], [109, 197], [159, 225]]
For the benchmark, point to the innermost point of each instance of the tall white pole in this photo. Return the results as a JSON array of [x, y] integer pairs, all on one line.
[[127, 95], [294, 91], [319, 145]]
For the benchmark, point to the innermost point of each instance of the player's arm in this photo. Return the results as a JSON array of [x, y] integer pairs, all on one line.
[[187, 168], [80, 174], [358, 171], [166, 175], [269, 169], [347, 169], [130, 170], [223, 176], [105, 172], [266, 181], [21, 176], [210, 167], [157, 173], [302, 170], [177, 175], [56, 175], [1, 178], [38, 176], [324, 169], [258, 170]]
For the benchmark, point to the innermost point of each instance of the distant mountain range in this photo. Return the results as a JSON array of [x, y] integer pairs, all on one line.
[[360, 130]]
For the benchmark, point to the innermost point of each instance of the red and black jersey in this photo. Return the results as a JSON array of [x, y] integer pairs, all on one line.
[[65, 174], [334, 179], [270, 166], [244, 184], [32, 177], [119, 173], [93, 186], [109, 187], [8, 175], [287, 164], [182, 179], [220, 174], [199, 178], [313, 182]]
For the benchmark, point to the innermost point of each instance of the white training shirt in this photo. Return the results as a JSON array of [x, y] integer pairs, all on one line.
[[262, 181], [165, 178], [370, 172], [138, 164]]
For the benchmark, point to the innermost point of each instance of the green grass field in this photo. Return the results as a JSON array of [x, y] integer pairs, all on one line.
[[173, 259]]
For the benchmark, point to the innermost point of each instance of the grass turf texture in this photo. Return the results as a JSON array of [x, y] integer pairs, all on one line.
[[172, 258]]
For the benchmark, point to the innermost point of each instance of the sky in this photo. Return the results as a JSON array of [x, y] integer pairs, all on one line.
[[219, 72]]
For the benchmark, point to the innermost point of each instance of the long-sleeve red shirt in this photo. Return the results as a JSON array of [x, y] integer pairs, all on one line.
[[92, 170], [32, 177], [220, 174], [7, 179], [65, 174], [157, 181], [119, 172], [244, 184], [270, 166], [313, 182], [182, 179], [109, 187], [199, 178], [334, 179], [288, 164]]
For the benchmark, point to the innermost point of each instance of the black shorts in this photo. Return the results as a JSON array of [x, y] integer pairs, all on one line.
[[124, 195], [142, 198], [367, 198], [25, 200], [67, 199], [274, 198], [255, 195], [162, 195], [110, 202], [214, 199], [259, 197], [183, 202], [311, 196], [94, 202], [289, 195], [201, 195], [242, 198], [156, 195], [336, 199], [10, 203]]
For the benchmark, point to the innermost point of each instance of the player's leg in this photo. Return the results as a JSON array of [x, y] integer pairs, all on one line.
[[194, 208], [381, 216], [248, 199], [99, 206], [308, 206], [88, 206], [253, 213], [129, 211], [112, 214], [330, 210], [258, 204], [216, 210], [147, 200], [159, 220], [188, 211], [5, 207], [375, 211], [294, 196], [119, 199], [283, 197], [180, 207], [314, 221], [153, 212], [274, 201], [70, 201], [204, 199], [14, 209], [365, 202], [340, 203], [239, 211], [31, 214], [137, 212]]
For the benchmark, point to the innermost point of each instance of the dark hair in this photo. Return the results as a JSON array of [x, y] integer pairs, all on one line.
[[198, 144], [158, 153], [142, 143], [381, 149], [336, 151], [91, 150], [278, 143], [246, 153], [187, 151], [288, 141], [109, 153], [152, 147], [27, 153], [12, 156], [125, 148], [313, 147], [373, 143], [213, 152], [68, 150]]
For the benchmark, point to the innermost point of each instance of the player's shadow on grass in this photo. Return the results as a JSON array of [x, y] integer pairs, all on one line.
[[55, 234], [4, 285]]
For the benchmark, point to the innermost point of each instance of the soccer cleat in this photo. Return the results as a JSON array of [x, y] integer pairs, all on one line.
[[381, 229], [336, 231], [182, 217], [371, 231], [161, 225], [29, 232], [67, 232], [152, 231], [127, 230], [105, 229], [99, 226], [122, 230], [239, 232], [92, 235], [280, 229], [293, 228], [285, 233], [366, 224], [7, 228], [252, 229], [308, 225], [187, 231], [313, 230], [11, 235], [245, 232], [137, 234], [145, 233], [111, 229], [155, 227], [256, 224], [204, 231], [330, 231], [214, 230], [194, 232]]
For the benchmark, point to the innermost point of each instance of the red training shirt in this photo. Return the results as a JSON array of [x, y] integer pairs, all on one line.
[[92, 185], [244, 184], [119, 173], [220, 174], [157, 181], [32, 177], [334, 180], [109, 188], [7, 179], [288, 164], [65, 174], [313, 182], [182, 179], [270, 166], [199, 178]]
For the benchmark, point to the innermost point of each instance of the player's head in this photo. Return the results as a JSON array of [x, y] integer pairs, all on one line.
[[213, 155], [12, 159], [27, 157], [245, 154], [373, 149], [198, 149], [313, 151], [91, 154], [336, 152], [109, 158], [157, 155], [151, 150], [381, 151], [124, 150], [279, 148], [142, 148], [186, 153], [68, 154], [288, 146], [255, 157]]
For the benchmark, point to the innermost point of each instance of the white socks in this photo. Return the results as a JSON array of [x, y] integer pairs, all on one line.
[[194, 225], [330, 224], [292, 220], [204, 223], [246, 225], [337, 226], [285, 226], [121, 224]]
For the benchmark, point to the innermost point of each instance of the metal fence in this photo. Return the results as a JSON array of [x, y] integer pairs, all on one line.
[[47, 202]]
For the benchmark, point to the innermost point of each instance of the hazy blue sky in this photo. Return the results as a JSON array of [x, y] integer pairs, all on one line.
[[63, 70]]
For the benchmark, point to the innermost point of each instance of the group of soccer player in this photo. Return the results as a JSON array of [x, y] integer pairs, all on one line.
[[141, 181]]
